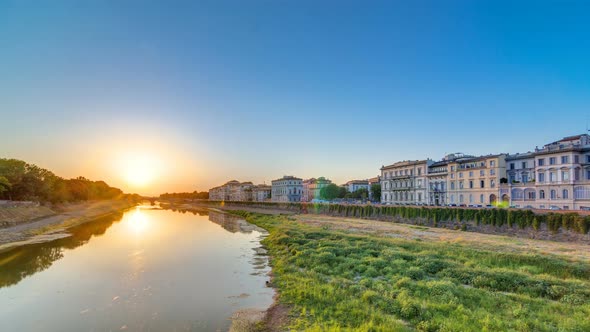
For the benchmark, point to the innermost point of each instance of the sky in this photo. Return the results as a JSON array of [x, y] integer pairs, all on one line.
[[187, 95]]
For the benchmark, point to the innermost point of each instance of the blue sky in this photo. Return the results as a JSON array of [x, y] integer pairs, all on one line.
[[256, 89]]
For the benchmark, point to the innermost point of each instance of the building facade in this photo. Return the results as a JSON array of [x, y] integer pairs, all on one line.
[[287, 189], [354, 185], [563, 174], [475, 181], [405, 182], [232, 191], [261, 193], [312, 188], [556, 176]]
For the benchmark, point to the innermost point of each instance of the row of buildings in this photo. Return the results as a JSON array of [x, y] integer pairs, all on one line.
[[556, 176], [286, 189]]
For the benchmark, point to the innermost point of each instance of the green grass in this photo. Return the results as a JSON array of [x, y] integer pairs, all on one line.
[[336, 280]]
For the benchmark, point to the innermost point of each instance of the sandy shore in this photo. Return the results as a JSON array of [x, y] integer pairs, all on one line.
[[54, 227]]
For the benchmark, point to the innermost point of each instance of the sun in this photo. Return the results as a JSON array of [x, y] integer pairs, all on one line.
[[139, 170]]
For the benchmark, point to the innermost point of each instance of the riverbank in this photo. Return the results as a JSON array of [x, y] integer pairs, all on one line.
[[53, 223], [337, 274], [563, 226]]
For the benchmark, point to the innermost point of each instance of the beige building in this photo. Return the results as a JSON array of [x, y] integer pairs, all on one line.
[[232, 191], [261, 193], [563, 174], [475, 181], [287, 189], [405, 182]]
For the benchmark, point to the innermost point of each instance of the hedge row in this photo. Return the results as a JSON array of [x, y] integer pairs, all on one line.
[[496, 216]]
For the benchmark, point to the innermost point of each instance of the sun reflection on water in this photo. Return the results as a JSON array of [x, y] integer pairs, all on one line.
[[138, 222]]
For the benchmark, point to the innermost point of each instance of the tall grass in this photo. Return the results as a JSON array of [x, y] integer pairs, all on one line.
[[337, 280]]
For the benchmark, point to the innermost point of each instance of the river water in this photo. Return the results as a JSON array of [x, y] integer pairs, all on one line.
[[148, 269]]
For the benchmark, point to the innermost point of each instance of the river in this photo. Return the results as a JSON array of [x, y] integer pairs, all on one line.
[[148, 269]]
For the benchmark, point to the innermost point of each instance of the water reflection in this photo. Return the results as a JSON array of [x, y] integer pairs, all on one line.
[[24, 261], [149, 269]]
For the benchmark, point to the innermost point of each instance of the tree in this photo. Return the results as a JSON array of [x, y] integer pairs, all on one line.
[[332, 191], [4, 185], [376, 192]]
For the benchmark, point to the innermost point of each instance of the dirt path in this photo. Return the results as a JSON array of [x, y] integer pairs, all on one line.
[[573, 251]]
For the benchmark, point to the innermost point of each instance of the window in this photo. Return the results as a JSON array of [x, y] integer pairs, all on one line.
[[565, 194], [577, 174], [470, 198], [420, 171], [553, 194], [541, 177], [470, 184], [511, 165], [541, 162], [525, 178], [576, 159], [452, 198], [565, 175], [460, 184], [452, 185], [552, 161], [461, 175], [470, 174], [588, 158], [542, 194], [588, 175], [493, 183], [460, 198], [552, 177], [481, 198], [452, 175], [482, 184], [565, 159], [452, 168], [492, 172], [524, 164], [482, 173], [531, 195], [493, 163]]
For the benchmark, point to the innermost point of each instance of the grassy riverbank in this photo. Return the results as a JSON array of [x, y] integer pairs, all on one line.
[[337, 279]]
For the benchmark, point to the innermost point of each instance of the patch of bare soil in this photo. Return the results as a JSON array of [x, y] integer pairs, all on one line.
[[572, 251]]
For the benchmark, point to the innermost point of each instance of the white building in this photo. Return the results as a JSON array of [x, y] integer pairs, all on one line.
[[563, 174], [405, 182], [354, 185], [287, 189]]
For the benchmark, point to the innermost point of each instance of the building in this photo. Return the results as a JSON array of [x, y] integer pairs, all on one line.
[[562, 169], [476, 180], [261, 193], [232, 191], [287, 189], [405, 182], [354, 185], [520, 171], [312, 188], [556, 176]]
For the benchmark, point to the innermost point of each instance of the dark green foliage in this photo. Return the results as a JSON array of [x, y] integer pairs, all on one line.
[[30, 182]]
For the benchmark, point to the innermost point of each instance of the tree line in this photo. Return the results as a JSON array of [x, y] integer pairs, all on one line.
[[333, 191], [194, 195], [22, 181]]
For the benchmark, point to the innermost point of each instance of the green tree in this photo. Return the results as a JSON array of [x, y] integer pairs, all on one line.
[[331, 192], [376, 192], [4, 185]]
